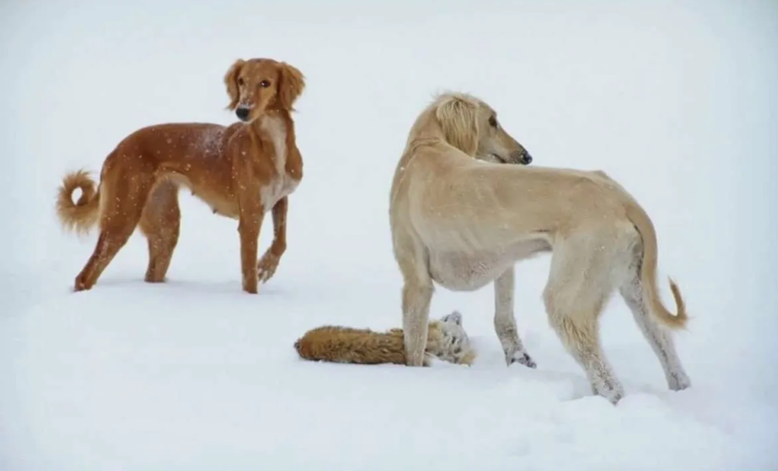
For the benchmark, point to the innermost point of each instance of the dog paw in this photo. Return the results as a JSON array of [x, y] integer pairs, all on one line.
[[678, 381], [250, 289], [613, 395], [522, 358], [250, 284], [80, 285], [266, 267]]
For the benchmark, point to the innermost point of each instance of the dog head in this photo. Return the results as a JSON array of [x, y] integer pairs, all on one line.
[[258, 85], [471, 125], [449, 341]]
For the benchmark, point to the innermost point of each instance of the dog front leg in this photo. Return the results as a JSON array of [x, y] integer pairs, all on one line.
[[416, 294], [249, 225], [416, 311], [505, 322], [269, 263]]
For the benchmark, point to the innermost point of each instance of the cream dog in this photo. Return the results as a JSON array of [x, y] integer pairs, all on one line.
[[463, 222]]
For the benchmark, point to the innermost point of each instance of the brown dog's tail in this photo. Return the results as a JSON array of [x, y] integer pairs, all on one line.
[[645, 227], [82, 215]]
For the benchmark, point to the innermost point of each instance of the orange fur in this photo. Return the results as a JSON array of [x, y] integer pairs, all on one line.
[[446, 340], [81, 215], [241, 171], [348, 345]]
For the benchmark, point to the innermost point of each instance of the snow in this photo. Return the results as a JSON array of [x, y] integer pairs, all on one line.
[[675, 100]]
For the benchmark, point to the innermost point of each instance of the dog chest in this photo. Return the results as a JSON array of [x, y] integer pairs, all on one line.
[[280, 187], [274, 129], [282, 184]]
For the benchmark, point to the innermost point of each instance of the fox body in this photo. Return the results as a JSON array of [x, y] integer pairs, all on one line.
[[446, 340]]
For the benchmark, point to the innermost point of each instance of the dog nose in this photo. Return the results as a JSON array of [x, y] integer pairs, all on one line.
[[521, 157], [242, 113]]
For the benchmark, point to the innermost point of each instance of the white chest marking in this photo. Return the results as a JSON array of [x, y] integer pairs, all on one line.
[[276, 130], [281, 184]]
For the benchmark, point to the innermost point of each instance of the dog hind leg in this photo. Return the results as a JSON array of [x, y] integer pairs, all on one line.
[[124, 199], [660, 340], [160, 223], [578, 286]]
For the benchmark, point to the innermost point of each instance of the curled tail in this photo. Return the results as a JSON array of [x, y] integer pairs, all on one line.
[[645, 227], [82, 215]]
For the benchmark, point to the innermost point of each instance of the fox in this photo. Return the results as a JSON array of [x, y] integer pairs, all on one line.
[[447, 340]]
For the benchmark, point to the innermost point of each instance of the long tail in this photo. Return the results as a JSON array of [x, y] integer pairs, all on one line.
[[648, 272], [82, 215], [350, 345]]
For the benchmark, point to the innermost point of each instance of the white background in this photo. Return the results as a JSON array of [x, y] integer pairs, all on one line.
[[676, 100]]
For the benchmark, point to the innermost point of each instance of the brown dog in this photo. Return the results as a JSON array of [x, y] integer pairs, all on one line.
[[241, 171]]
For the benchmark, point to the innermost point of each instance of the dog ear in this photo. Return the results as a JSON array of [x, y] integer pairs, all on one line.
[[231, 81], [458, 118], [291, 85], [455, 317]]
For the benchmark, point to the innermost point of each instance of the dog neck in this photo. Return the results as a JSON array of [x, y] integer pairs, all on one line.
[[273, 129]]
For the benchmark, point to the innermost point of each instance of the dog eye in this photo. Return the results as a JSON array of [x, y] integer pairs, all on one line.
[[240, 81], [264, 84], [493, 121]]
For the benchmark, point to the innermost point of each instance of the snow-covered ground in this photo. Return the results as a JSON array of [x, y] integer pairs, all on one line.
[[676, 100]]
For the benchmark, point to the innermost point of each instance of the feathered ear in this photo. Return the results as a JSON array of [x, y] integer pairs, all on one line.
[[290, 87], [231, 81], [458, 118]]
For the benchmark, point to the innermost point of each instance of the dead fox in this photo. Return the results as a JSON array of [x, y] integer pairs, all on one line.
[[446, 340]]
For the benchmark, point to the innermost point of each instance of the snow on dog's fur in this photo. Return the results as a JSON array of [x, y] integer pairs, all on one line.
[[446, 340], [463, 222]]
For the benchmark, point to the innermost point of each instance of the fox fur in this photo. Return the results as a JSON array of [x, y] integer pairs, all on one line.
[[446, 340]]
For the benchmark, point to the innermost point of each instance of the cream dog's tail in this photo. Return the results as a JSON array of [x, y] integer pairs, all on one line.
[[648, 272]]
